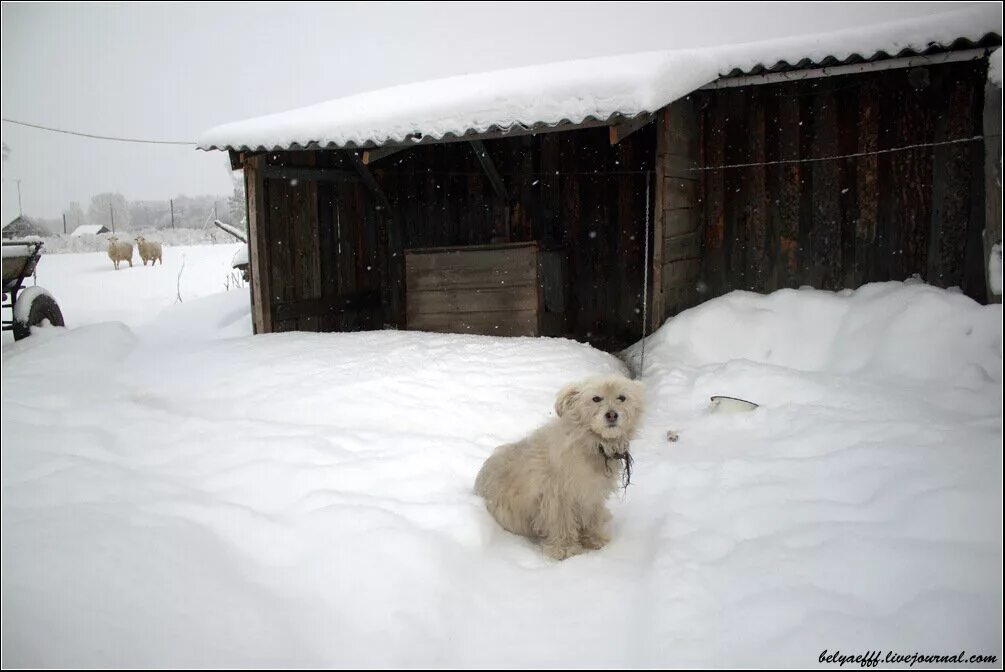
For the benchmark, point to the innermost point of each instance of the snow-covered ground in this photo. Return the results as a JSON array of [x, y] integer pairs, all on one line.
[[177, 493]]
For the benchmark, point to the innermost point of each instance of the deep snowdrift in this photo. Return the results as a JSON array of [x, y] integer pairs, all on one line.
[[305, 499]]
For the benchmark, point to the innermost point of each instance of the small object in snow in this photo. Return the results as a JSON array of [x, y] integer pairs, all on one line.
[[672, 436], [721, 404]]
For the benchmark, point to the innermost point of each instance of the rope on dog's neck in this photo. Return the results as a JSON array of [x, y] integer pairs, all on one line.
[[626, 459]]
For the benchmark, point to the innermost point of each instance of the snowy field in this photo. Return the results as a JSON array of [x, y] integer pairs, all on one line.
[[177, 493], [89, 290]]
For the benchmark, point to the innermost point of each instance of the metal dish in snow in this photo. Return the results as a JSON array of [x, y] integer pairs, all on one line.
[[721, 404]]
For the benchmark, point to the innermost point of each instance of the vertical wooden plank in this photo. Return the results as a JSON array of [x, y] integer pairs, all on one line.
[[305, 244], [326, 248], [714, 261], [280, 272], [735, 185], [658, 310], [790, 188], [756, 196], [826, 220], [913, 171], [807, 271], [886, 241], [848, 116], [957, 177], [867, 181], [258, 243]]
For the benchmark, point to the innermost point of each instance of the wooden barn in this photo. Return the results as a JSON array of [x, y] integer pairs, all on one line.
[[578, 199]]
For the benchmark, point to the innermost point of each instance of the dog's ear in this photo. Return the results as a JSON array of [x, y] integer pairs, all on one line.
[[566, 399]]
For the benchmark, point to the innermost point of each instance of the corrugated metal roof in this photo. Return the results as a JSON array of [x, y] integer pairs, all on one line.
[[989, 40], [588, 92]]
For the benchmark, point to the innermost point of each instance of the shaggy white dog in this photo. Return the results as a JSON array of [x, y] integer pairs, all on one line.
[[553, 484]]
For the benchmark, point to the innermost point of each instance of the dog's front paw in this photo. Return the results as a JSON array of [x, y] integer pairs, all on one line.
[[593, 539], [561, 551]]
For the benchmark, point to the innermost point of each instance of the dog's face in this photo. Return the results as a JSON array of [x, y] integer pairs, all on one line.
[[609, 407]]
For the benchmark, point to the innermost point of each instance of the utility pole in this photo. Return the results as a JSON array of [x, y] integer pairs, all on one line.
[[215, 216], [112, 214], [172, 213], [20, 212], [64, 223]]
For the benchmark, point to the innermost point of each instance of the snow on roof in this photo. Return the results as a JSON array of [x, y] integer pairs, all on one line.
[[573, 91], [89, 229]]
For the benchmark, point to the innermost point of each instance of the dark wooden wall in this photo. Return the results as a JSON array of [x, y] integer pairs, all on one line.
[[842, 223], [336, 259], [569, 190]]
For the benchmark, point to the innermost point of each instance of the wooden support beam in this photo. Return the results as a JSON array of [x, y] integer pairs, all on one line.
[[490, 169], [622, 130], [374, 155], [315, 174], [258, 244], [371, 183]]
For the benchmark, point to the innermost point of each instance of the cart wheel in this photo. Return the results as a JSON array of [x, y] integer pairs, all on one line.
[[41, 306]]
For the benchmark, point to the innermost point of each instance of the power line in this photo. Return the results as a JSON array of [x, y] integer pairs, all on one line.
[[585, 173], [99, 137], [903, 148]]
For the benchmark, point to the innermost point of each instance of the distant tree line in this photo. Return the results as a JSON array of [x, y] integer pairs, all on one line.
[[190, 212]]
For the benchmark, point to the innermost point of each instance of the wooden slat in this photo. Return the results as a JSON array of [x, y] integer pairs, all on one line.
[[848, 115], [258, 245], [280, 267], [714, 146], [867, 180], [659, 213], [427, 279], [327, 242], [826, 223], [737, 152], [756, 233], [504, 323], [681, 273], [472, 259], [294, 310], [687, 246], [679, 193], [806, 266], [473, 300]]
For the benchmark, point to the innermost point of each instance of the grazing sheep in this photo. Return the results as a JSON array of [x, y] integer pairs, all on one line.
[[118, 252], [150, 250]]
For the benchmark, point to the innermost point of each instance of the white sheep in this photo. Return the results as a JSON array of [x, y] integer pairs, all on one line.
[[119, 252], [150, 250]]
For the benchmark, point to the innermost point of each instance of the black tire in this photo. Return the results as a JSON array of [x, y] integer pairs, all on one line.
[[43, 307]]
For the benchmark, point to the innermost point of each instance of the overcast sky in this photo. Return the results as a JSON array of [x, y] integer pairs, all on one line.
[[171, 71]]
